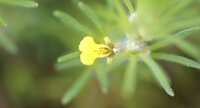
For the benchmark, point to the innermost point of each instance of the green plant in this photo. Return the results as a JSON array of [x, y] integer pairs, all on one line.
[[4, 41], [139, 29]]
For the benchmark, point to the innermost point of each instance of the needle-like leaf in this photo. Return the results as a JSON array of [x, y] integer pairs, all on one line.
[[91, 15], [122, 14], [23, 3], [129, 81], [72, 92], [159, 73], [188, 48], [177, 59], [2, 21], [129, 5], [7, 44], [68, 57], [74, 63], [102, 71], [103, 78], [70, 21], [172, 40]]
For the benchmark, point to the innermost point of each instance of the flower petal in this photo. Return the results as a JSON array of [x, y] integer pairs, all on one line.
[[87, 58], [90, 51], [87, 44]]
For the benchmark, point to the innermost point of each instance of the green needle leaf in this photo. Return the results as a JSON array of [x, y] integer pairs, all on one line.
[[23, 3], [7, 44], [2, 21], [70, 64], [177, 59], [174, 39], [72, 92], [70, 21], [103, 78], [117, 61], [122, 14], [188, 48], [129, 5], [129, 81], [92, 15], [103, 71], [68, 57], [159, 73], [176, 8]]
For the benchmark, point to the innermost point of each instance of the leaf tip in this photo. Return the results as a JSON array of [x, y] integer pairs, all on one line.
[[80, 3], [4, 24], [56, 12], [35, 4], [64, 101], [170, 93], [59, 60], [31, 4]]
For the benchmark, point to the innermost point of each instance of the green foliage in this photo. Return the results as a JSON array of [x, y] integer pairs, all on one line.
[[129, 6], [73, 91], [103, 71], [70, 21], [137, 28], [131, 28], [159, 74], [4, 41], [68, 61], [91, 15], [171, 40], [68, 64], [68, 57], [177, 59], [2, 21], [7, 44], [22, 3], [121, 15], [130, 77], [188, 48], [102, 76]]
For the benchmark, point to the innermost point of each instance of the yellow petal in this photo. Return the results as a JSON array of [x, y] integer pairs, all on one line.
[[87, 44], [87, 58], [90, 51]]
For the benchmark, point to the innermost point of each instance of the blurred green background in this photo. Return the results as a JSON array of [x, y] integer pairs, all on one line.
[[33, 79]]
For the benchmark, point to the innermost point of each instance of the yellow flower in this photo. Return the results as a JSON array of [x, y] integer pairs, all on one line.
[[90, 51]]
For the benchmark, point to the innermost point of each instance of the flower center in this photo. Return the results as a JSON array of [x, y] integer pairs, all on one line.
[[102, 51]]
